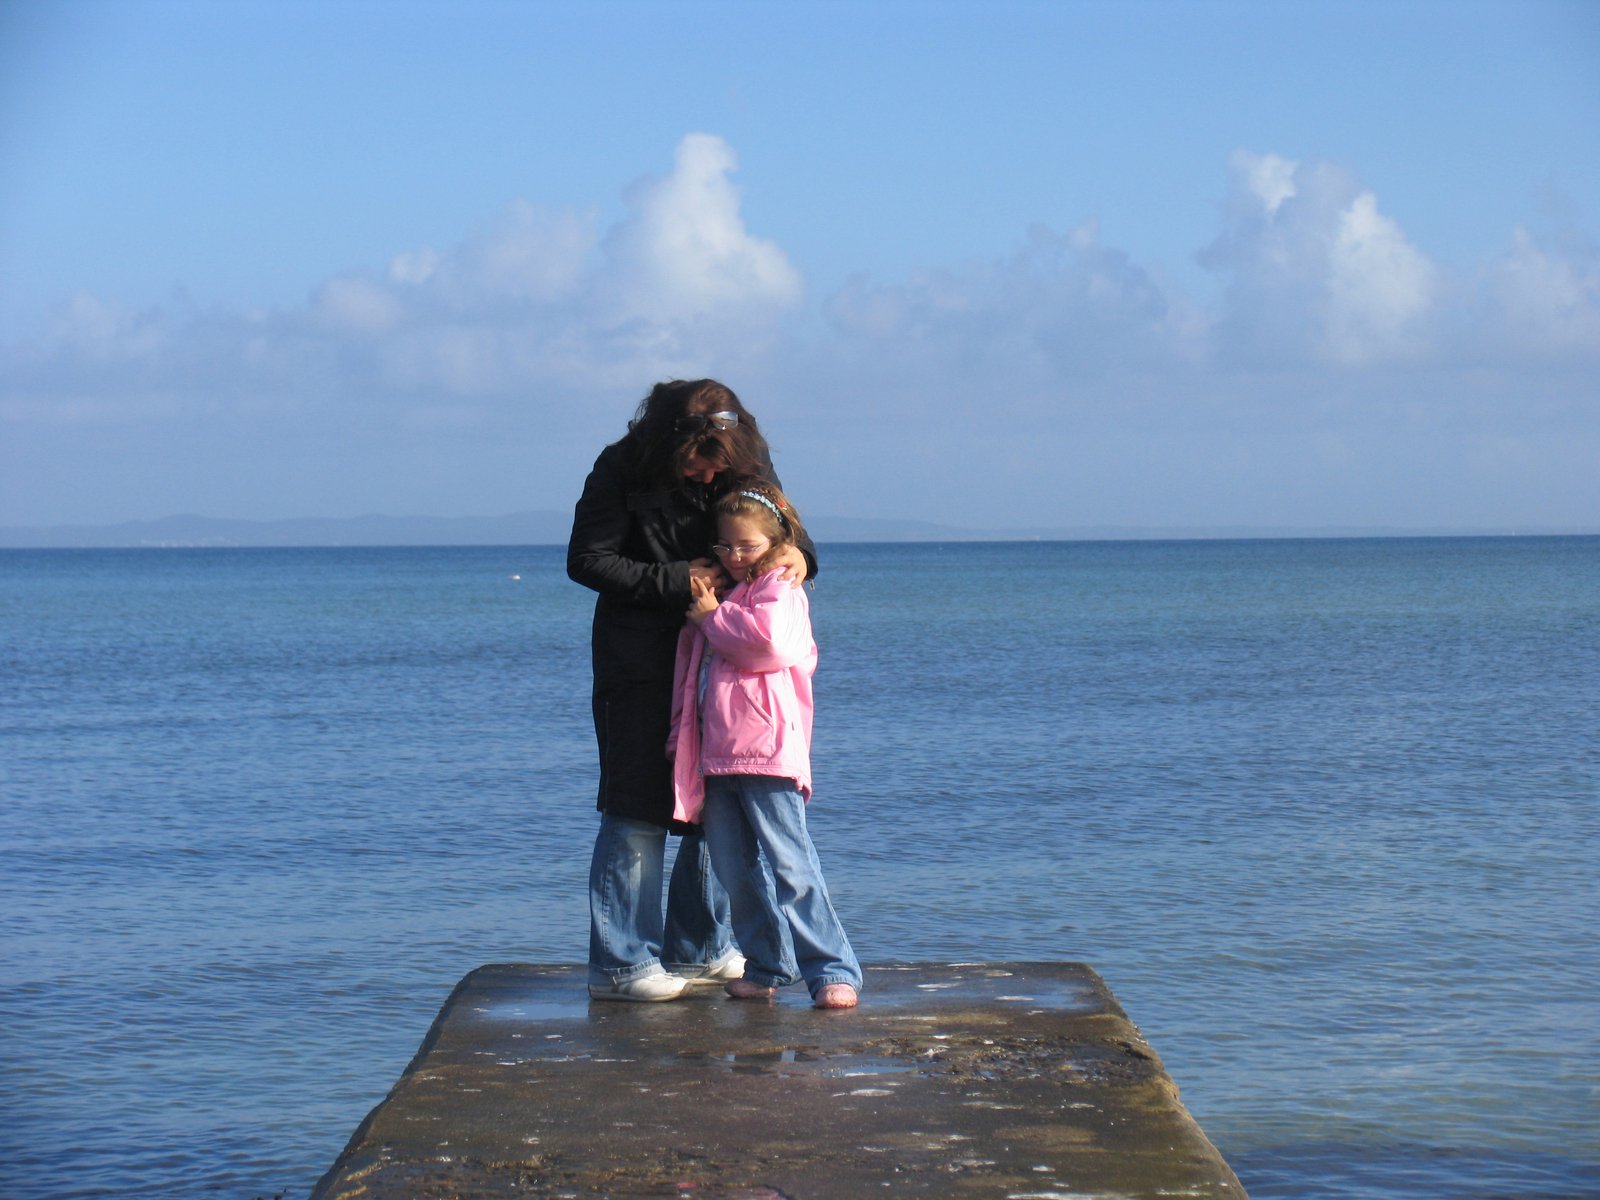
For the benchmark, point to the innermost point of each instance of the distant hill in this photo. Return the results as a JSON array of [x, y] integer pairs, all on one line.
[[515, 529], [550, 528]]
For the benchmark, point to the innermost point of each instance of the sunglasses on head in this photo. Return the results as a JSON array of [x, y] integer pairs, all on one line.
[[695, 422]]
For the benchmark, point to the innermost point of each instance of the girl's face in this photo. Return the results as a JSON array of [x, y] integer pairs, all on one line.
[[742, 542]]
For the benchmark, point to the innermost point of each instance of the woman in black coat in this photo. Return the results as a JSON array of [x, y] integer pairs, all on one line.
[[641, 531]]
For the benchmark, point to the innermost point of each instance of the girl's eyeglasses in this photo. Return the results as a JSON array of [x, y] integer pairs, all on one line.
[[695, 422], [743, 550]]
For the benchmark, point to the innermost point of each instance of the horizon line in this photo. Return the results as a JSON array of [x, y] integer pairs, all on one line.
[[548, 529]]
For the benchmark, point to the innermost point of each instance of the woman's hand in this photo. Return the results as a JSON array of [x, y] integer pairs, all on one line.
[[703, 599], [709, 570], [792, 564]]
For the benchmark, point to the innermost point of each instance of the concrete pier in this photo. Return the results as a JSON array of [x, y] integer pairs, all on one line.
[[1016, 1081]]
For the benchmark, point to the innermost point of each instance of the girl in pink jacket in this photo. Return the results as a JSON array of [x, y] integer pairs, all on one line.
[[741, 749]]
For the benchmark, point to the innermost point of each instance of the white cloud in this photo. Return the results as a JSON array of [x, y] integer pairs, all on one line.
[[539, 297], [1544, 305], [353, 305], [1316, 273], [1269, 178], [1316, 276], [1060, 309], [527, 256], [103, 331], [1380, 288], [684, 251], [534, 299], [1065, 357]]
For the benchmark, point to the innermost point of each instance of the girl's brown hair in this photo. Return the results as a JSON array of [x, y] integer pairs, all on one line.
[[662, 451], [757, 500]]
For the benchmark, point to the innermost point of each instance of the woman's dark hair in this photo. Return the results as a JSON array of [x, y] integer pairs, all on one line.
[[663, 448]]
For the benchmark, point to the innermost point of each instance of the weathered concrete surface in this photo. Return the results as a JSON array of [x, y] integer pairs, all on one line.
[[1005, 1080]]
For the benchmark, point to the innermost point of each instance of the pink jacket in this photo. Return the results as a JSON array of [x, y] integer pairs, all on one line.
[[757, 718]]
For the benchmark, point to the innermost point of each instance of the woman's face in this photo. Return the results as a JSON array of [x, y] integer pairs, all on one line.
[[700, 470]]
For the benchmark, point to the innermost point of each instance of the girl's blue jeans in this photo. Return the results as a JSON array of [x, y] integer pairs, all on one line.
[[629, 933], [784, 920]]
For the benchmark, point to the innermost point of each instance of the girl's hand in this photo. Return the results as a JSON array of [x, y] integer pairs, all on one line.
[[792, 564], [703, 599]]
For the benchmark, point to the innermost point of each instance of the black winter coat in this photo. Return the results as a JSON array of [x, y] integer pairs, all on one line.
[[632, 543]]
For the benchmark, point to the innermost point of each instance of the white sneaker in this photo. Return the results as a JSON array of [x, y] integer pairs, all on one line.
[[729, 966], [647, 989]]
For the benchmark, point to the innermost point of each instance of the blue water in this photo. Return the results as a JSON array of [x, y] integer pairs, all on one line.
[[1323, 813]]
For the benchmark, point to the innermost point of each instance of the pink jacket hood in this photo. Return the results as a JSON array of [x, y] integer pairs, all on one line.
[[758, 705]]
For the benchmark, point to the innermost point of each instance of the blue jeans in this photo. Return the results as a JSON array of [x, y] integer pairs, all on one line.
[[629, 936], [782, 916]]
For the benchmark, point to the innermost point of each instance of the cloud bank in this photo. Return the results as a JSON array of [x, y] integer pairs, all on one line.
[[534, 298], [1328, 327]]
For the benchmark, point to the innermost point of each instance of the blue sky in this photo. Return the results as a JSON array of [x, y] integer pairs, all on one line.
[[1000, 264]]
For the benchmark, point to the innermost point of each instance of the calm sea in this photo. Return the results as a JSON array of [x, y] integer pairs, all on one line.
[[1323, 813]]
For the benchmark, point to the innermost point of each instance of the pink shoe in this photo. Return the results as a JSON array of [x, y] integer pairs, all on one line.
[[836, 995], [745, 989]]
